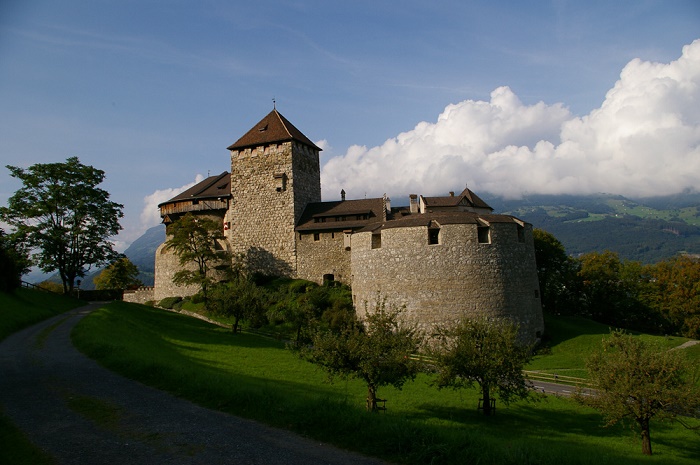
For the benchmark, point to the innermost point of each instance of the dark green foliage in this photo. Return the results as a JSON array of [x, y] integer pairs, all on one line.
[[10, 269], [482, 351], [557, 274], [240, 298], [376, 351], [61, 213], [120, 274], [169, 302], [639, 381], [198, 241]]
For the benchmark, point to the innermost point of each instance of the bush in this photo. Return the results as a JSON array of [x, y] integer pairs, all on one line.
[[169, 302]]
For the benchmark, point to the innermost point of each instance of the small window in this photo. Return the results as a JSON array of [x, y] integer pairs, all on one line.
[[521, 233], [377, 241], [332, 235], [347, 240], [328, 278], [537, 293], [317, 237], [484, 233], [281, 182], [433, 236]]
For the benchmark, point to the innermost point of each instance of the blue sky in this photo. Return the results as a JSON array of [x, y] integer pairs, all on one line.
[[405, 97]]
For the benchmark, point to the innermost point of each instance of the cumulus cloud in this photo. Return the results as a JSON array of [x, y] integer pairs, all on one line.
[[644, 140], [150, 215]]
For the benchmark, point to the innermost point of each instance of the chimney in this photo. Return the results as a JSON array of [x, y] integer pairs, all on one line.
[[452, 194], [387, 206], [413, 202], [342, 195]]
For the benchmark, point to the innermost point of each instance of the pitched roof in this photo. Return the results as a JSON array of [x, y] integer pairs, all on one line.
[[454, 200], [441, 218], [272, 128], [341, 214], [212, 187]]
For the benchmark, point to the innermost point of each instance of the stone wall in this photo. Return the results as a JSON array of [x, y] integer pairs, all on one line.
[[441, 283], [270, 186], [167, 264], [327, 255], [140, 295]]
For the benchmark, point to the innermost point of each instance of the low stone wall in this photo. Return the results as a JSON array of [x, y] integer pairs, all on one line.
[[139, 296]]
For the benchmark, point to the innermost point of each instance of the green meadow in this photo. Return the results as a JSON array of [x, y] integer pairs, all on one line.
[[256, 377]]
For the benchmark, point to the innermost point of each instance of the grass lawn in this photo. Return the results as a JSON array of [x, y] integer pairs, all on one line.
[[258, 378], [25, 307]]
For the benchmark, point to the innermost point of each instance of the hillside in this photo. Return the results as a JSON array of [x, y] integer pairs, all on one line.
[[645, 230]]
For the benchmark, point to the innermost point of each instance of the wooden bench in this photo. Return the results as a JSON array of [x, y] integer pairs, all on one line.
[[377, 402]]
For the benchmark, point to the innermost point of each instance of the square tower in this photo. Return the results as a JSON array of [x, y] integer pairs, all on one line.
[[275, 173]]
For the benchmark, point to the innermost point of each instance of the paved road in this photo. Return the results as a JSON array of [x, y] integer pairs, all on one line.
[[41, 372]]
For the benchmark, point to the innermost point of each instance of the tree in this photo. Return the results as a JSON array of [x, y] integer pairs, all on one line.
[[64, 217], [376, 351], [239, 298], [640, 381], [484, 351], [10, 270], [197, 240], [120, 274], [676, 293], [556, 272]]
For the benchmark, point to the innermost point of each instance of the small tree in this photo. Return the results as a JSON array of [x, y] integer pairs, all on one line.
[[376, 351], [239, 298], [196, 240], [64, 216], [640, 381], [486, 352], [120, 274]]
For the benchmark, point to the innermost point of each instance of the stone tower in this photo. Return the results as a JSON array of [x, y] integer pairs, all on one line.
[[275, 173]]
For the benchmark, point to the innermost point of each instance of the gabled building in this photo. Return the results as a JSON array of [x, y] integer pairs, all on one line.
[[440, 257]]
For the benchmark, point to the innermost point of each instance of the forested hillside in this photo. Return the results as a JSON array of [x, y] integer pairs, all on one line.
[[646, 230]]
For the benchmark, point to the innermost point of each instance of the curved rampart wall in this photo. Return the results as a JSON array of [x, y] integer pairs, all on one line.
[[459, 276]]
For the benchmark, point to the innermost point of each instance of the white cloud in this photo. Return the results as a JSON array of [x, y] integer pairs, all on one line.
[[644, 140], [150, 215]]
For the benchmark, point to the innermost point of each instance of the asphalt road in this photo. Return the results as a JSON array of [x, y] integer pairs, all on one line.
[[44, 380]]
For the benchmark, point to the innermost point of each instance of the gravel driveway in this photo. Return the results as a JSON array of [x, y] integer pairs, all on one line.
[[44, 380]]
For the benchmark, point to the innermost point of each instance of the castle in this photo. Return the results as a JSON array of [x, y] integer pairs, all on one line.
[[441, 257]]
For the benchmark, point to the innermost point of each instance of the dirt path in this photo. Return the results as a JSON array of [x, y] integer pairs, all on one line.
[[45, 384]]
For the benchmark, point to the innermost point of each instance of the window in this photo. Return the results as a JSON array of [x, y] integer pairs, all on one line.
[[521, 233], [328, 278], [484, 234], [433, 236], [346, 239], [537, 293], [317, 237], [377, 241], [281, 182]]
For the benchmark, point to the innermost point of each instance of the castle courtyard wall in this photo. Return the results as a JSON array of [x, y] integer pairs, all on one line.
[[440, 284], [325, 256]]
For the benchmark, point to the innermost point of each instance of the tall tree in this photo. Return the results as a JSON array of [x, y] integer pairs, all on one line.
[[640, 381], [556, 271], [676, 293], [376, 351], [64, 217], [197, 240], [485, 351], [120, 274]]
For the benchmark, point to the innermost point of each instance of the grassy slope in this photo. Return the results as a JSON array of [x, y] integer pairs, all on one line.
[[257, 378], [25, 307], [19, 310]]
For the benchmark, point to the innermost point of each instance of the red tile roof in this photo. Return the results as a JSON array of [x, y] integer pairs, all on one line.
[[271, 129]]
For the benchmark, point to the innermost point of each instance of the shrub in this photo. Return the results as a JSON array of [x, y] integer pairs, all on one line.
[[169, 302]]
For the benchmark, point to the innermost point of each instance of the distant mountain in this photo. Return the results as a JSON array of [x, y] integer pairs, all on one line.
[[646, 230], [142, 253]]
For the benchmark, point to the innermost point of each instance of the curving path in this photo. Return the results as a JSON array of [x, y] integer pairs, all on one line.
[[44, 380]]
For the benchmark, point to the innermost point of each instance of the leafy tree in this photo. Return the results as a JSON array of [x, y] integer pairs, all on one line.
[[486, 352], [196, 240], [10, 272], [64, 216], [556, 271], [120, 274], [675, 293], [639, 381], [376, 351], [239, 298]]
